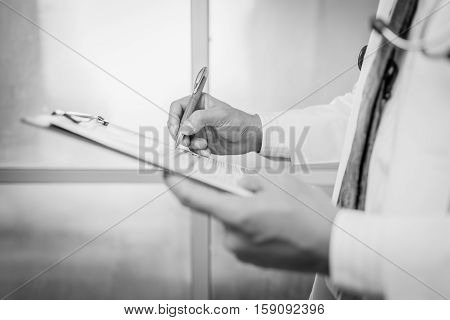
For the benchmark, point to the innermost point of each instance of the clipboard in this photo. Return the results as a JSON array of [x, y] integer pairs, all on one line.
[[209, 171]]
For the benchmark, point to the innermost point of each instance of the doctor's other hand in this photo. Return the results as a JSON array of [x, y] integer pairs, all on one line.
[[286, 224], [216, 127]]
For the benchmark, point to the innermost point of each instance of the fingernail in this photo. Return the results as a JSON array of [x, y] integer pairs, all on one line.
[[186, 141], [187, 128]]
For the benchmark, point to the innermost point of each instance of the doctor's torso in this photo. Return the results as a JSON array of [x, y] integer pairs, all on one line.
[[409, 169]]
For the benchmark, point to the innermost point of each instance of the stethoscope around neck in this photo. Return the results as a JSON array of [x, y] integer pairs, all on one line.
[[428, 47], [435, 48]]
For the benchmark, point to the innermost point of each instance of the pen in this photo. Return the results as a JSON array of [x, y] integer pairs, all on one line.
[[199, 84]]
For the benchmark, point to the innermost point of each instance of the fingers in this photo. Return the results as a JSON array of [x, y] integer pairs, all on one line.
[[186, 141], [200, 119], [205, 153], [198, 143], [200, 146], [175, 113], [224, 207]]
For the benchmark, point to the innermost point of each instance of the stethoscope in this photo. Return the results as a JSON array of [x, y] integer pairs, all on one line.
[[431, 48]]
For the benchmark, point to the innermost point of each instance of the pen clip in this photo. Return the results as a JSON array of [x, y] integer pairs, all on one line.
[[200, 76]]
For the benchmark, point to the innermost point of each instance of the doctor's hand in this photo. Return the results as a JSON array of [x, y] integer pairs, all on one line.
[[216, 127], [285, 225]]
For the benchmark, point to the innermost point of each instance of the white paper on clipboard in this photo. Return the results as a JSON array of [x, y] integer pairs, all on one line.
[[212, 172]]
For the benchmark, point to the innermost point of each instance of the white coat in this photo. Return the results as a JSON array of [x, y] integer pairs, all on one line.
[[400, 246]]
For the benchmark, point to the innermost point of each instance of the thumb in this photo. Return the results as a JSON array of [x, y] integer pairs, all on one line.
[[198, 120]]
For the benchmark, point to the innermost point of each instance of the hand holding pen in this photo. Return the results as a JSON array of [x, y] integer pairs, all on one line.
[[207, 125]]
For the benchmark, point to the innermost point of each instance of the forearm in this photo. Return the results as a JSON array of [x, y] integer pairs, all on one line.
[[311, 135]]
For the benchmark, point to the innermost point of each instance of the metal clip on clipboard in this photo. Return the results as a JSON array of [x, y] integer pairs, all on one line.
[[78, 117]]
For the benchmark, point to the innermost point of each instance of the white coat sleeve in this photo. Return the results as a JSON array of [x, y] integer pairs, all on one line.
[[311, 135], [395, 258]]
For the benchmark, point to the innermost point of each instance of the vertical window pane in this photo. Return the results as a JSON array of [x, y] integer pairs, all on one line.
[[143, 43]]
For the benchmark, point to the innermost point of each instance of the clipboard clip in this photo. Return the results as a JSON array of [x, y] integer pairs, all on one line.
[[78, 117]]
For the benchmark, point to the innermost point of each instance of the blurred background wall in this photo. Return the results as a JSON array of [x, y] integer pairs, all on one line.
[[265, 55]]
